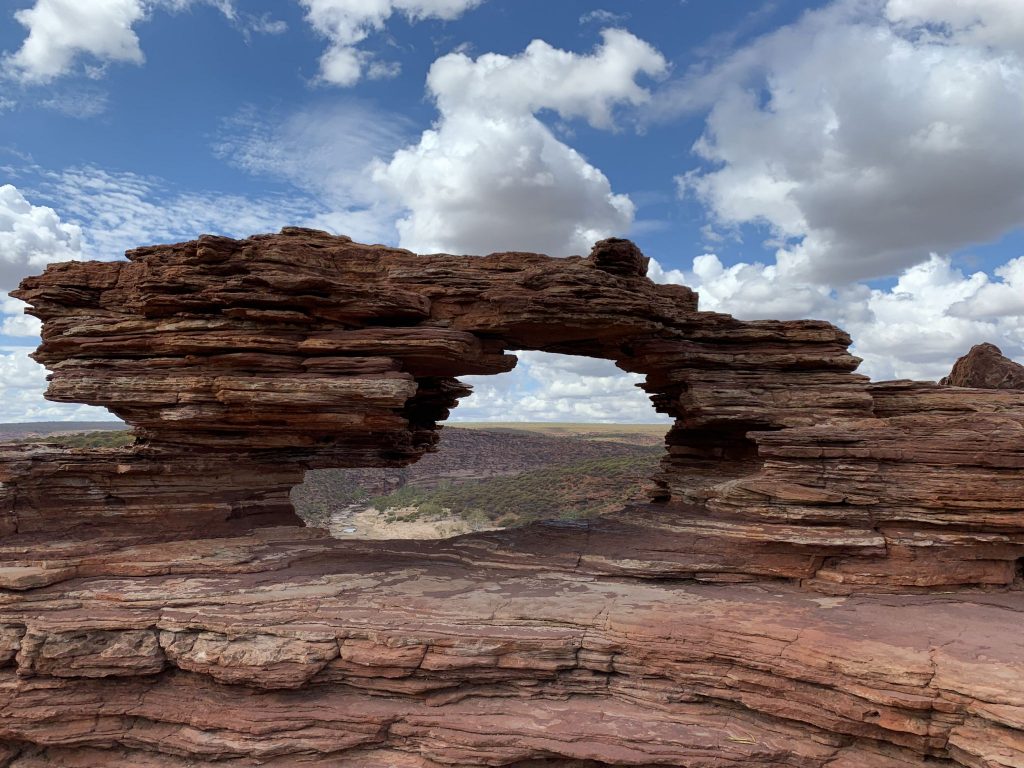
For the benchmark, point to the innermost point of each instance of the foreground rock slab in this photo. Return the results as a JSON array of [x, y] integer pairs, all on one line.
[[828, 573], [351, 656]]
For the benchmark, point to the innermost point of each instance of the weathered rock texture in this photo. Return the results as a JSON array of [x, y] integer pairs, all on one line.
[[986, 367], [828, 573]]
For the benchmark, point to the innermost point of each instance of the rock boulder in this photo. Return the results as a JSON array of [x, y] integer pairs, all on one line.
[[985, 367]]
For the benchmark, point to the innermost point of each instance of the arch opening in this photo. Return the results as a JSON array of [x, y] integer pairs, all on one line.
[[557, 438], [305, 351]]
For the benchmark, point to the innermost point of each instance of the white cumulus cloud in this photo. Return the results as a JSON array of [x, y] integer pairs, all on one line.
[[492, 176], [60, 32], [13, 321], [868, 134], [870, 139], [549, 387], [32, 236], [22, 382], [918, 327], [996, 298], [915, 329], [999, 23], [347, 23]]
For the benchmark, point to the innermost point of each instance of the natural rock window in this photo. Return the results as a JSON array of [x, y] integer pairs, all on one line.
[[585, 441], [162, 604]]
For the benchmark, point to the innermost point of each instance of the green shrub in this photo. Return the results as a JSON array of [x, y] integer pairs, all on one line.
[[568, 491], [105, 439], [431, 509]]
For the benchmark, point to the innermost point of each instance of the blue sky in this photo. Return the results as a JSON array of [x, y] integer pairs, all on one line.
[[853, 160]]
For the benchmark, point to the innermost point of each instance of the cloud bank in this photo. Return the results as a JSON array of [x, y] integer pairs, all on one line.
[[868, 139], [548, 387], [915, 329], [32, 236], [867, 135]]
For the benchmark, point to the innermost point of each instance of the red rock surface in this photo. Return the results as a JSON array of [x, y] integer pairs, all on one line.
[[829, 575], [985, 367]]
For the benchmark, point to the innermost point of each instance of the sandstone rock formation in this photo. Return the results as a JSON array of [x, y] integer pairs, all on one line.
[[829, 573], [986, 367]]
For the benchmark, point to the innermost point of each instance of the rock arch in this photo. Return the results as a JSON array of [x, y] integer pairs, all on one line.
[[242, 363], [305, 350], [162, 606]]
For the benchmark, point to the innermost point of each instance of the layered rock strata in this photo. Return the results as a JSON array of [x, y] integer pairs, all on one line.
[[986, 367], [358, 658], [828, 573]]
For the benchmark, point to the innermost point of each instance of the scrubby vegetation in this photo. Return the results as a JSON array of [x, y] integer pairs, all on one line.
[[323, 492], [500, 476], [566, 491], [563, 471], [104, 439], [636, 434]]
